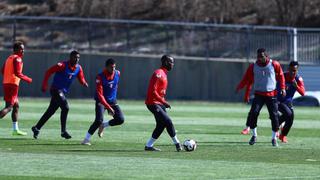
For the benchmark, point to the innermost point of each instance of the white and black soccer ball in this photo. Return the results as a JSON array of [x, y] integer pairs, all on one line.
[[190, 145]]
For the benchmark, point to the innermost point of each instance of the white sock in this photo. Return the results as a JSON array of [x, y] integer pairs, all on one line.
[[274, 135], [248, 128], [150, 142], [254, 132], [175, 140], [15, 126], [105, 124], [88, 136]]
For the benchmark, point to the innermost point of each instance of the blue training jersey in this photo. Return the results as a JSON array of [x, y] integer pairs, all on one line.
[[63, 79], [110, 87]]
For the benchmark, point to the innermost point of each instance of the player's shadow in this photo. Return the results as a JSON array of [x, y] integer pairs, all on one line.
[[225, 143], [13, 139], [101, 150], [50, 144]]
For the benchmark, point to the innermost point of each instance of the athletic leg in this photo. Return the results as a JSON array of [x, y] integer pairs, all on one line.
[[289, 121], [10, 96], [160, 126], [118, 117], [14, 116], [254, 112], [53, 106], [6, 110], [252, 118], [99, 110], [272, 106]]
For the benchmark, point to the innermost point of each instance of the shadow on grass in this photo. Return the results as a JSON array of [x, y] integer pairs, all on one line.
[[50, 144], [14, 139], [101, 150]]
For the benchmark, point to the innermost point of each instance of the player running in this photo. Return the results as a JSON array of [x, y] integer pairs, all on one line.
[[106, 98], [294, 83], [264, 75], [65, 73], [157, 104], [12, 74]]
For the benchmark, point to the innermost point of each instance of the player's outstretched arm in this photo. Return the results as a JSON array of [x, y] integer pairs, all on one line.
[[300, 86], [56, 68], [102, 100], [247, 79], [18, 70], [81, 78]]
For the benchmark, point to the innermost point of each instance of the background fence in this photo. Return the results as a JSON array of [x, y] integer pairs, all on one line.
[[210, 58], [203, 40]]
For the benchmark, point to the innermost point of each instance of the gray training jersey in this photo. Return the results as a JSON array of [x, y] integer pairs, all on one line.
[[264, 77]]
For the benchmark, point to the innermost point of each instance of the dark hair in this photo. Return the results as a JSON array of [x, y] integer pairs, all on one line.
[[73, 53], [165, 58], [110, 61], [17, 45], [261, 50], [294, 63]]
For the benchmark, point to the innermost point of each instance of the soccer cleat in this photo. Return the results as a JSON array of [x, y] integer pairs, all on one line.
[[18, 133], [66, 135], [245, 131], [146, 148], [178, 147], [253, 140], [35, 132], [86, 142], [100, 130], [274, 142], [283, 138]]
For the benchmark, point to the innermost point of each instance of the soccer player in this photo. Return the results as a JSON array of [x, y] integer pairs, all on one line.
[[12, 74], [106, 99], [294, 83], [264, 75], [157, 104], [65, 73]]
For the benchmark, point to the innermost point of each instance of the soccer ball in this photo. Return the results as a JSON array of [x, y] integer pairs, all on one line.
[[189, 145]]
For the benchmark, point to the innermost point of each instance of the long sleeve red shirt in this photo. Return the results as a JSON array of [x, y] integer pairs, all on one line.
[[99, 88], [157, 87], [17, 68], [61, 67], [248, 79]]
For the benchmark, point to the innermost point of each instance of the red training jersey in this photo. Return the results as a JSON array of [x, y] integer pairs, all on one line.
[[157, 87]]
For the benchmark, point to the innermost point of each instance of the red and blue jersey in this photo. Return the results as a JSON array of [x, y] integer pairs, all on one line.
[[107, 87], [110, 87], [291, 88], [64, 76]]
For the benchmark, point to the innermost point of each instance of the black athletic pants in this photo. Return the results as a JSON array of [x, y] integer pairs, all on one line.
[[162, 121], [287, 117], [58, 99], [256, 107], [118, 117]]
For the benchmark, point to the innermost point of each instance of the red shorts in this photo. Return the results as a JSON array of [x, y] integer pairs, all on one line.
[[10, 93]]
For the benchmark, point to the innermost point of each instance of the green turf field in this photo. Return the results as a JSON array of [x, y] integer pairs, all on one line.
[[222, 152]]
